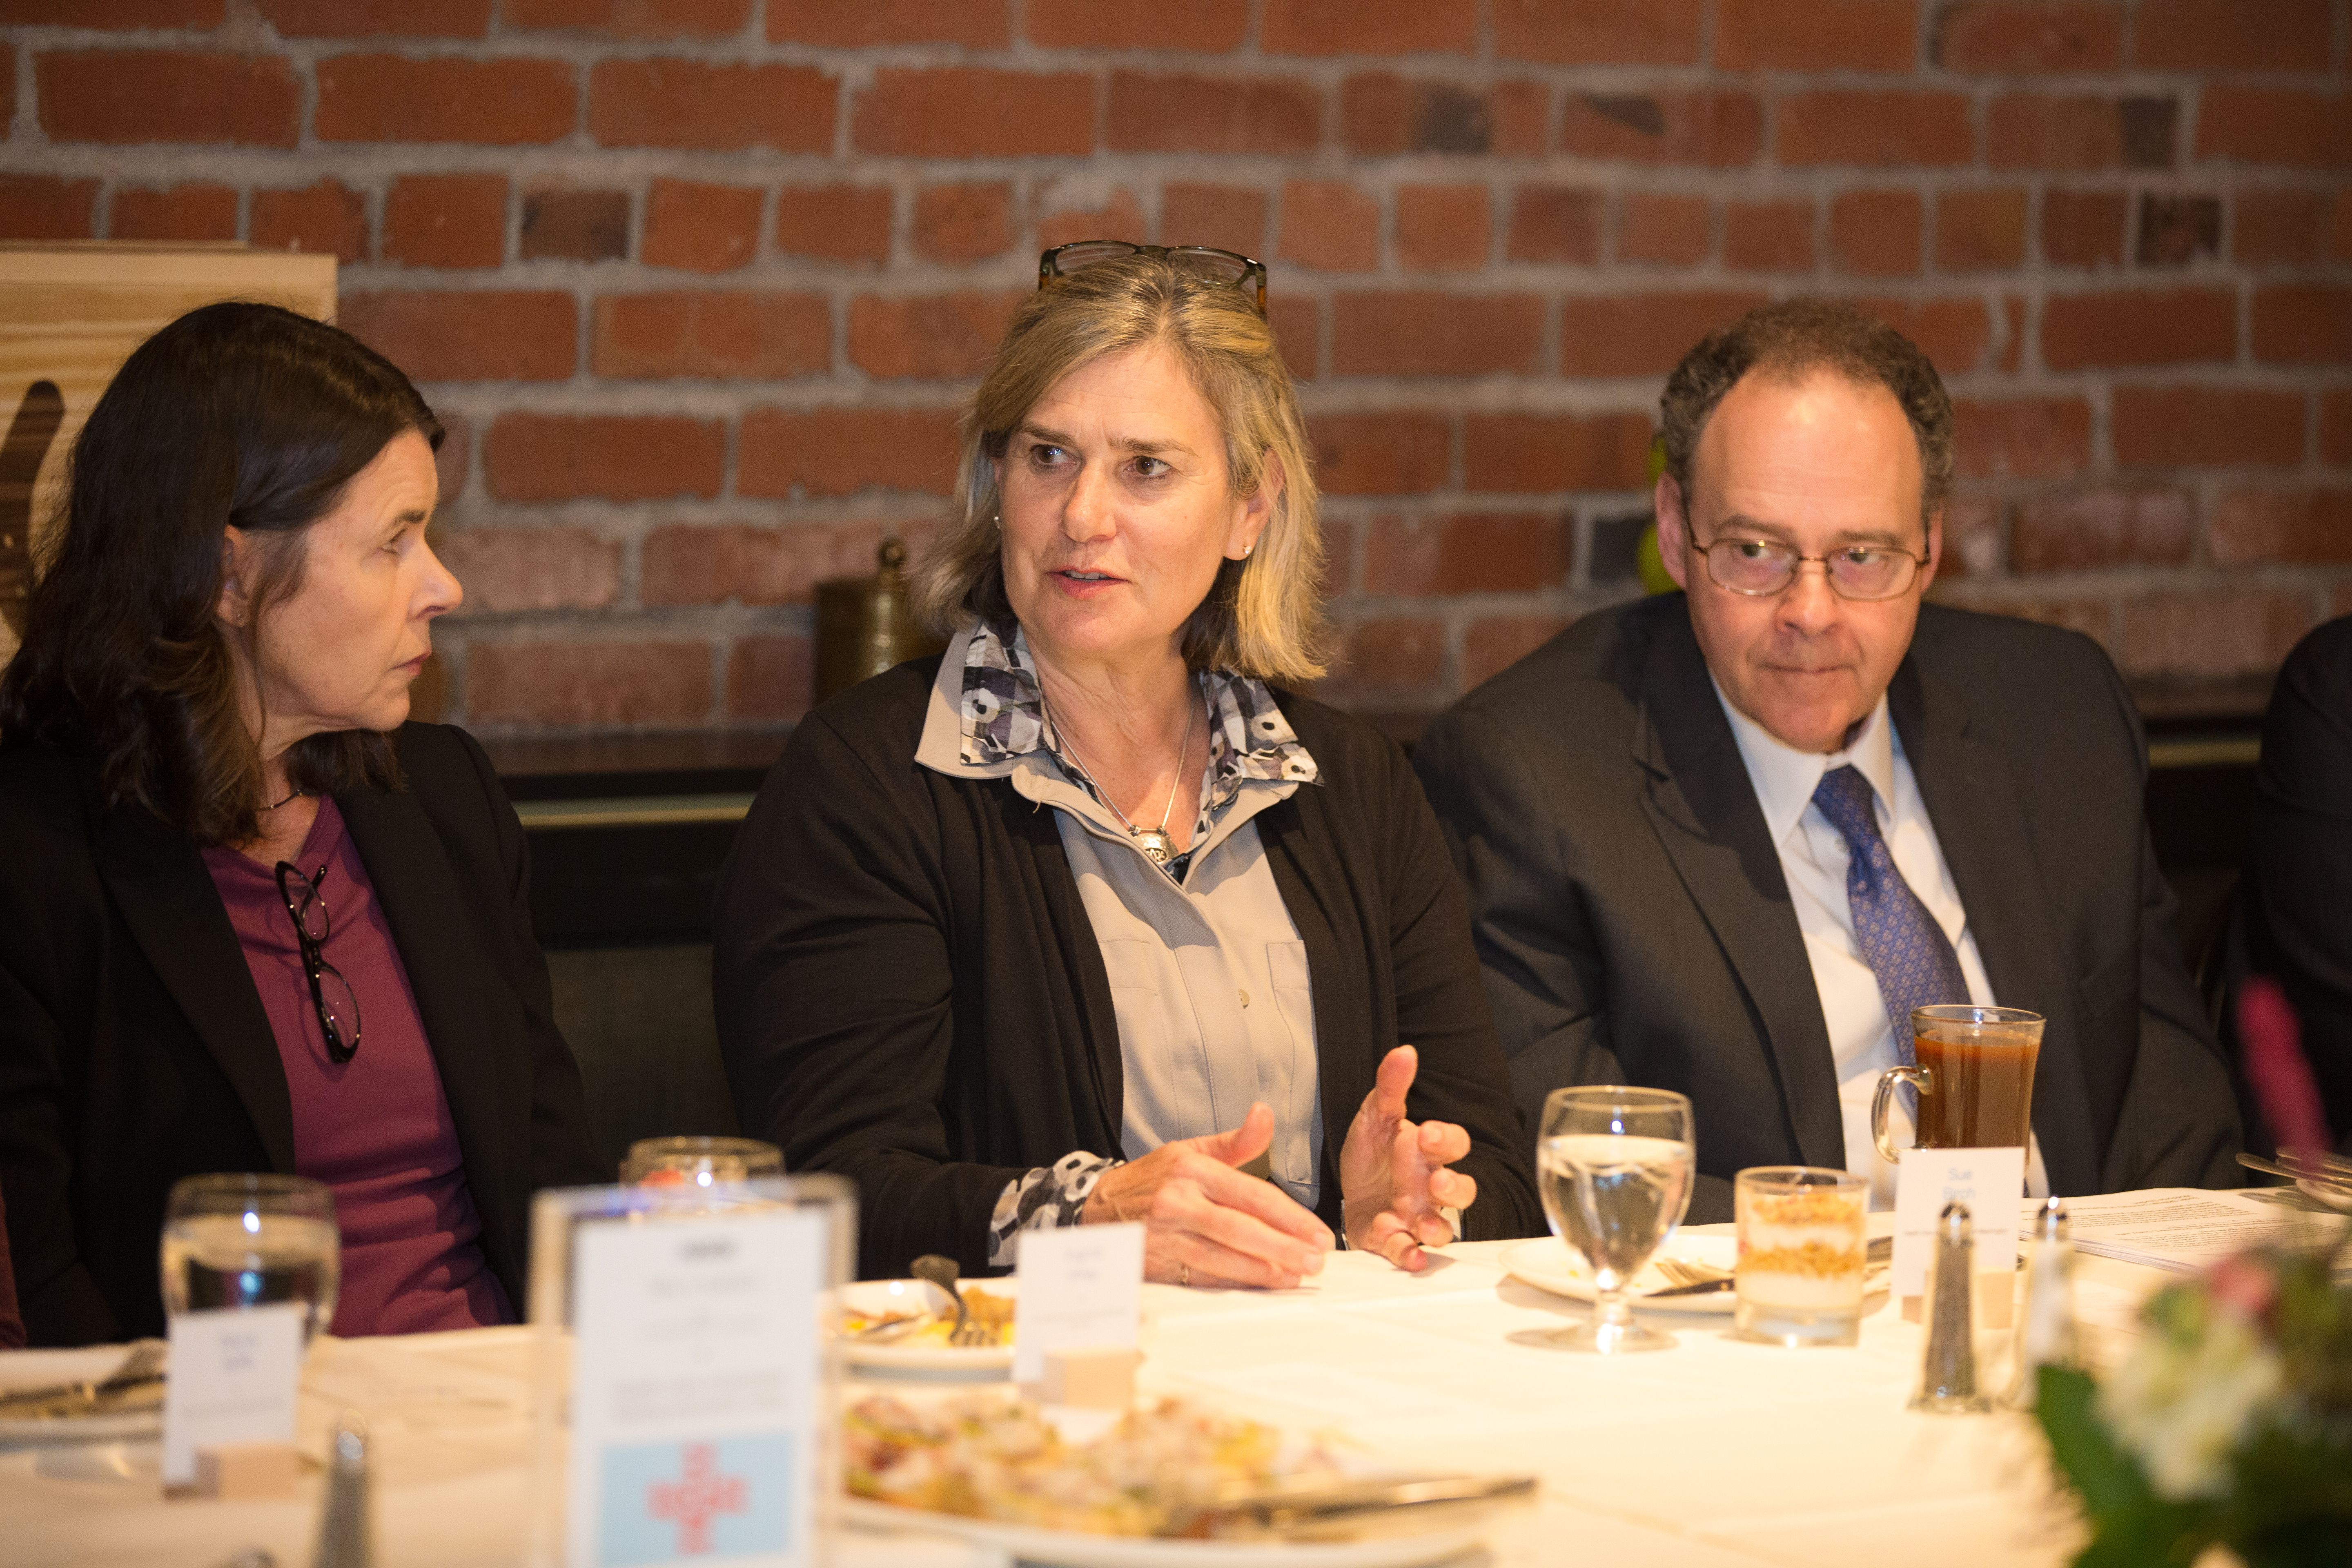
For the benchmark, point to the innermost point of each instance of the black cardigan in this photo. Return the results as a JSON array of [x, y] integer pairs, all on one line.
[[909, 992], [134, 1051]]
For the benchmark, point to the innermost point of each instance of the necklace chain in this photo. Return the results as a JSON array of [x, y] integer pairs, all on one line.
[[274, 805], [1166, 844]]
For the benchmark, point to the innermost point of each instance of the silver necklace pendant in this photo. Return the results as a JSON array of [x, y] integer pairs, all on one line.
[[1157, 846]]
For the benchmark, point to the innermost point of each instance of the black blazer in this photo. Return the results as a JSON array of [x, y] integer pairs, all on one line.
[[2298, 887], [909, 991], [134, 1051], [1636, 928]]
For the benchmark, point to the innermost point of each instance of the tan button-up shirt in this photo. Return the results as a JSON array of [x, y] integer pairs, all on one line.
[[1208, 976]]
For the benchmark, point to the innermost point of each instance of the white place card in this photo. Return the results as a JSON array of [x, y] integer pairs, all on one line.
[[1078, 1288], [1990, 1181], [234, 1377], [696, 1370]]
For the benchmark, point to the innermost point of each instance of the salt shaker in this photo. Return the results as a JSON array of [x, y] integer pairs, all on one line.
[[346, 1523], [2046, 1335], [1947, 1374]]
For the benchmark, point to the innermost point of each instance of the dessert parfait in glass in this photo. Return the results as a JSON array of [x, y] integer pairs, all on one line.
[[1802, 1254]]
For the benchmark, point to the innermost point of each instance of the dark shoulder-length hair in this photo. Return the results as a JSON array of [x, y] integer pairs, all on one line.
[[236, 414]]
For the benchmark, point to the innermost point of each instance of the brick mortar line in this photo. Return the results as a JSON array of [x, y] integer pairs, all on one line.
[[305, 55], [712, 623], [1021, 55], [629, 279], [1262, 174], [1500, 394]]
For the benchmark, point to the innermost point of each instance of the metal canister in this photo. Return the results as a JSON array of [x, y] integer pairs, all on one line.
[[863, 623]]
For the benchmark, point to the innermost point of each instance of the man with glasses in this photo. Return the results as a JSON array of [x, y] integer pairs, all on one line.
[[1724, 841]]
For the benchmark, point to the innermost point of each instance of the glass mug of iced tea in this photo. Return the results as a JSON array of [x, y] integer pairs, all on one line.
[[1975, 1078]]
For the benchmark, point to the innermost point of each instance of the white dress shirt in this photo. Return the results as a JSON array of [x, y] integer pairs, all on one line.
[[1813, 859]]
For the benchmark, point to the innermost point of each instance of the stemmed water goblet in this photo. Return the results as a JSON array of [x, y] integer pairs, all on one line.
[[1615, 1166]]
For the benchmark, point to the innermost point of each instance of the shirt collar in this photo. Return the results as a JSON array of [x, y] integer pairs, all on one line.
[[999, 716], [1785, 778]]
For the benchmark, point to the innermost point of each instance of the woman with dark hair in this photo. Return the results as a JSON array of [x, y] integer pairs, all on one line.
[[250, 918]]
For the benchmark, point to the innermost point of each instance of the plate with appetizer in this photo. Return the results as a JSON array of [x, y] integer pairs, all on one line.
[[906, 1325], [1171, 1483]]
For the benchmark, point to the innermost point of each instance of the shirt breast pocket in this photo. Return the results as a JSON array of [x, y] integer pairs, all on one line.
[[1294, 990], [1294, 1094]]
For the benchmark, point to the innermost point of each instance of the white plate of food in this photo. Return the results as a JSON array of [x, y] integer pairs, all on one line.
[[883, 1309], [996, 1470], [1075, 1549], [1550, 1264], [134, 1413]]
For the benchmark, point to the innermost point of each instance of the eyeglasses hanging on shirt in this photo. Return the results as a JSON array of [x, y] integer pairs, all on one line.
[[337, 1007]]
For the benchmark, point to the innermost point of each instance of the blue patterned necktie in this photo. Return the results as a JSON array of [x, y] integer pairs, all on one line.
[[1899, 939]]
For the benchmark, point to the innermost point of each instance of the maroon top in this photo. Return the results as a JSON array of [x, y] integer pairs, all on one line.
[[376, 1128], [12, 1325]]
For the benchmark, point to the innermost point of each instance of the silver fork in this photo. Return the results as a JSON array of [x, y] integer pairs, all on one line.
[[143, 1364], [2337, 1177], [1683, 1275], [934, 1270]]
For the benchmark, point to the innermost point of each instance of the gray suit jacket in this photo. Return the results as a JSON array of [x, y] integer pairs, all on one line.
[[1634, 926]]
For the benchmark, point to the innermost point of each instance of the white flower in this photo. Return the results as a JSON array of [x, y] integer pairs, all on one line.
[[2182, 1407]]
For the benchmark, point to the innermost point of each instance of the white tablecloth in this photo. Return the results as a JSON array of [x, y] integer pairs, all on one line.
[[1711, 1455]]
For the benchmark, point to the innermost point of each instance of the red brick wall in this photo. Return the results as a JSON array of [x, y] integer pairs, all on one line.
[[699, 281]]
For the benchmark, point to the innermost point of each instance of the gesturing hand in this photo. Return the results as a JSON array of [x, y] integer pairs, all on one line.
[[1207, 1224], [1392, 1172]]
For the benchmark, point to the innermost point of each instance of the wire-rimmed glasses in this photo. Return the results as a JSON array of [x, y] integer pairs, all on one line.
[[1224, 265], [1761, 567], [338, 1006]]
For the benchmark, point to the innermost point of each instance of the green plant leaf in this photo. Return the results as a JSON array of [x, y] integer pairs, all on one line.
[[2110, 1480], [2160, 1535]]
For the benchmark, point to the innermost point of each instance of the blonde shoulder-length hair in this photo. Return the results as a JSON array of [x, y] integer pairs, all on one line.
[[1262, 615]]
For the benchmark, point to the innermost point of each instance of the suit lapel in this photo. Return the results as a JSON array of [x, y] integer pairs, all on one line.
[[1972, 799], [1703, 809], [158, 881], [472, 1023]]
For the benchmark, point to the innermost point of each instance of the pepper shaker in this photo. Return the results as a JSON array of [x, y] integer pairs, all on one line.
[[346, 1521], [1947, 1373], [2047, 1335]]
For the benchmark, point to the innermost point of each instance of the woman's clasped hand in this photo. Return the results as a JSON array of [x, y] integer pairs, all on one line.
[[1206, 1222]]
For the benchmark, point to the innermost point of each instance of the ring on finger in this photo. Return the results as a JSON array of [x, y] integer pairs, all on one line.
[[1185, 1275]]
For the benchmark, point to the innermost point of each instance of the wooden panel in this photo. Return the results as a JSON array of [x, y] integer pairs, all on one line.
[[70, 315]]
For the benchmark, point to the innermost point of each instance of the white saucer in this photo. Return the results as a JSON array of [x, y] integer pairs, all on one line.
[[1550, 1264]]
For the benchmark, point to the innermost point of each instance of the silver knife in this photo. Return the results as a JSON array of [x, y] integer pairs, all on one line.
[[1324, 1511]]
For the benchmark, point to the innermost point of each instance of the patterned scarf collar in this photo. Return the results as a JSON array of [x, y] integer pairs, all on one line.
[[1003, 716]]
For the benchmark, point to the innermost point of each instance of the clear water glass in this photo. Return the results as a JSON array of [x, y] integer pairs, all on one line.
[[239, 1241], [694, 1162], [1615, 1165]]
